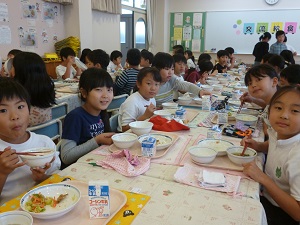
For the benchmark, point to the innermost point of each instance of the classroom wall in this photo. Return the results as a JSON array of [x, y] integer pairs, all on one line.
[[36, 24], [217, 5], [94, 28]]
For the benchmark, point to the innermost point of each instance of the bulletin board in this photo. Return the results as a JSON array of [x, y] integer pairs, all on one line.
[[187, 29], [241, 30], [30, 25]]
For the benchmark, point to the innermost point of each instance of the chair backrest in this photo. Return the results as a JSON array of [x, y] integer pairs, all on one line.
[[116, 102], [113, 121], [60, 111], [52, 129]]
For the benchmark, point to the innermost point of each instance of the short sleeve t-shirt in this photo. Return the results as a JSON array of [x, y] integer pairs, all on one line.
[[80, 126]]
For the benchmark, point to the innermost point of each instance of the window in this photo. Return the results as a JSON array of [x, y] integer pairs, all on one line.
[[140, 4], [140, 35], [123, 32]]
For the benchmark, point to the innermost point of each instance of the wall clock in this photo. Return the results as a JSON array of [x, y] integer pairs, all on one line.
[[272, 2]]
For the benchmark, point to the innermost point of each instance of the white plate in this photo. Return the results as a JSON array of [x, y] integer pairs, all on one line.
[[163, 140], [219, 145], [54, 190]]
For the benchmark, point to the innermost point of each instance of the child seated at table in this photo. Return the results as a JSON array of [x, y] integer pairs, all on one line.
[[115, 61], [86, 127], [221, 65], [30, 70], [164, 62], [141, 104], [205, 68], [97, 58], [290, 75], [15, 176], [231, 60], [281, 178], [188, 54], [65, 69], [127, 80], [146, 58]]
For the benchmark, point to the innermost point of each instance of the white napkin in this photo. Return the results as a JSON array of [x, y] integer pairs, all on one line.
[[212, 179]]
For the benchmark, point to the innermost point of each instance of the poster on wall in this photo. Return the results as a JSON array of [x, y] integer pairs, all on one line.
[[29, 40], [5, 35], [29, 11], [49, 12], [3, 12]]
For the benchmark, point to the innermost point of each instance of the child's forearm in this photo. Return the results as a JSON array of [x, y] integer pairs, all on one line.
[[2, 182], [263, 147]]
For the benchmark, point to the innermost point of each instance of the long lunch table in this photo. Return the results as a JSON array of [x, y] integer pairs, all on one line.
[[172, 202]]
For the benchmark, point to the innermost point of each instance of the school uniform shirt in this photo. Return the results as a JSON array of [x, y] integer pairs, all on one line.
[[260, 49], [282, 165], [133, 107], [60, 71], [277, 48], [126, 81], [190, 64], [112, 67], [165, 93], [20, 180], [219, 67], [80, 126]]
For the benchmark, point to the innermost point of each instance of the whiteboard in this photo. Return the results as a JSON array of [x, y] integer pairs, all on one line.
[[227, 29]]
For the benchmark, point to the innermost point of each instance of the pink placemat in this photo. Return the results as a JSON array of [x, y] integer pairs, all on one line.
[[175, 153], [188, 174]]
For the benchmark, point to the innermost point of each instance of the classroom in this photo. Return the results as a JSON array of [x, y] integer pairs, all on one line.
[[111, 136]]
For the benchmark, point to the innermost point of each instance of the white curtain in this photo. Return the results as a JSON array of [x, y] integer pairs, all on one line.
[[151, 7], [109, 6]]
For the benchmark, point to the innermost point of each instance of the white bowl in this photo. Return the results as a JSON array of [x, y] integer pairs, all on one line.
[[239, 160], [185, 100], [212, 78], [223, 80], [207, 87], [74, 88], [163, 141], [16, 217], [141, 127], [202, 154], [40, 159], [53, 190], [217, 87], [211, 82], [163, 113], [198, 100], [170, 105], [246, 119], [220, 146], [124, 140]]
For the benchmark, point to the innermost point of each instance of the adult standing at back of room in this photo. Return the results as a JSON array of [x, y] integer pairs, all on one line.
[[261, 48], [279, 45]]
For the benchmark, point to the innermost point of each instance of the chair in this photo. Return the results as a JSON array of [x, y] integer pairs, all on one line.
[[52, 129], [116, 103], [113, 121], [60, 111]]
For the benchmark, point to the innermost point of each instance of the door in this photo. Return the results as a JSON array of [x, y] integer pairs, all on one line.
[[126, 25]]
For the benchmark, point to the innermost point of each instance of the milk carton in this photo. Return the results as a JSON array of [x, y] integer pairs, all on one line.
[[149, 146], [99, 201]]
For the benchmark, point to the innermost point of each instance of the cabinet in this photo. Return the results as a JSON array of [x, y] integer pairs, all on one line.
[[50, 67]]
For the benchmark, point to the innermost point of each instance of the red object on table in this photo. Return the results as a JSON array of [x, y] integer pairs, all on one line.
[[162, 124]]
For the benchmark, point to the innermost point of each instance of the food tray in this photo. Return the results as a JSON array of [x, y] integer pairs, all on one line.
[[136, 148], [80, 214]]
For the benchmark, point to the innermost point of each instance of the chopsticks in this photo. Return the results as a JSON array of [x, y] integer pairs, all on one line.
[[245, 145], [240, 108], [29, 153]]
